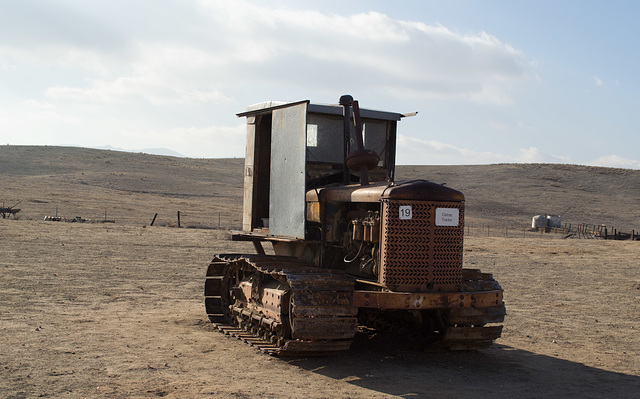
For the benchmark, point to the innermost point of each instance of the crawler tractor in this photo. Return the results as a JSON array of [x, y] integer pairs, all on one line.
[[350, 245]]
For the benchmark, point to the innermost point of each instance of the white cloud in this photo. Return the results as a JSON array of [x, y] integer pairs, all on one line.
[[39, 105], [160, 75], [151, 64], [37, 111], [535, 155], [55, 55], [616, 161], [414, 151], [132, 89], [243, 44]]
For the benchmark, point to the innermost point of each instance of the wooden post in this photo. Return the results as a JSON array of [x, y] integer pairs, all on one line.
[[178, 219], [154, 219]]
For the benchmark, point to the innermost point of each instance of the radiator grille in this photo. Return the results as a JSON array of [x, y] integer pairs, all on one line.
[[416, 254]]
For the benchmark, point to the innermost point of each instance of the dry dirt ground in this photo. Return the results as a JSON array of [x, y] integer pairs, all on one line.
[[115, 310]]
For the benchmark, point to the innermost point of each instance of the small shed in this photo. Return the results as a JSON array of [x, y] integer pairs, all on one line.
[[554, 221], [546, 221]]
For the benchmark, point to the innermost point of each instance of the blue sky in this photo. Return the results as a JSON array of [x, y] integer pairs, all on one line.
[[493, 81]]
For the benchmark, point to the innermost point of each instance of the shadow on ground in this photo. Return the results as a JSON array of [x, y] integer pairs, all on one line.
[[500, 371]]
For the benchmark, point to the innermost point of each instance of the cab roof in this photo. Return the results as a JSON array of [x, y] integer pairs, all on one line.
[[329, 109]]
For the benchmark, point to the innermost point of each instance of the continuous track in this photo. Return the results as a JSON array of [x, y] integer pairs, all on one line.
[[467, 328], [285, 307], [310, 311]]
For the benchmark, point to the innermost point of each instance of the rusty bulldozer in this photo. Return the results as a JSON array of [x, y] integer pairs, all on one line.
[[350, 245]]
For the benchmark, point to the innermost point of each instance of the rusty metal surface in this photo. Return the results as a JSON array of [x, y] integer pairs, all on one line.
[[413, 190], [350, 193], [466, 320], [422, 190], [263, 235], [466, 337], [319, 314], [273, 296], [426, 300], [416, 254], [280, 304], [478, 316], [313, 212]]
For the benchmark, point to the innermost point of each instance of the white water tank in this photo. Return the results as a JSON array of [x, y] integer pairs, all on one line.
[[539, 221]]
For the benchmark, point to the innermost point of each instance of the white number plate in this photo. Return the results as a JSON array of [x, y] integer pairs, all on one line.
[[406, 212]]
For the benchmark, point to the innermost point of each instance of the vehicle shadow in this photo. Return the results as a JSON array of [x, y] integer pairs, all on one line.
[[499, 371]]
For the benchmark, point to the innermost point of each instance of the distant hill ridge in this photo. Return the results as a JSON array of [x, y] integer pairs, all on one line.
[[505, 193], [150, 151]]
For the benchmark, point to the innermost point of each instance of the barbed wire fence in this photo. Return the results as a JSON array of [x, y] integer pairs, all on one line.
[[567, 230], [163, 218]]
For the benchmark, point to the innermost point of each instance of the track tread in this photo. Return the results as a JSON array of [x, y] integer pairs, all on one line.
[[322, 305]]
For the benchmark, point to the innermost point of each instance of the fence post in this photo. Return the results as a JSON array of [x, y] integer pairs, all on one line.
[[178, 219]]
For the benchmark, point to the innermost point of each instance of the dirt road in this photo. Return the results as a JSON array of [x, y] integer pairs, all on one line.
[[102, 310]]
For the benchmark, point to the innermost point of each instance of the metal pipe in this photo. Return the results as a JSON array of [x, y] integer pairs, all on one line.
[[346, 101]]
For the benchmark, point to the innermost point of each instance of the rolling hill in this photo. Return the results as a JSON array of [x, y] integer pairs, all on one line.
[[132, 187]]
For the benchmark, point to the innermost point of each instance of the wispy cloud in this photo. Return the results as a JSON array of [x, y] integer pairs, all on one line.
[[616, 161], [240, 44], [134, 89], [414, 151], [94, 73], [597, 81]]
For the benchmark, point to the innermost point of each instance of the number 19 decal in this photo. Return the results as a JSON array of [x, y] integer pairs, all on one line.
[[405, 212]]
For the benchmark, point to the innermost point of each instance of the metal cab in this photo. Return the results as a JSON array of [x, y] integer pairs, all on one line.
[[294, 147]]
